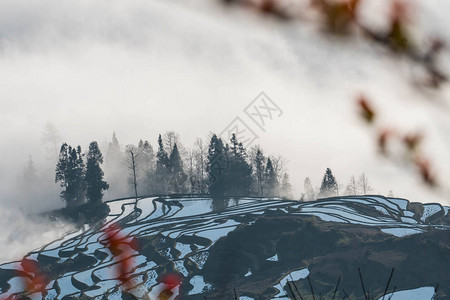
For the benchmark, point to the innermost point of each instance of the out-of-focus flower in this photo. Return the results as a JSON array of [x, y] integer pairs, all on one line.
[[339, 14], [170, 282], [38, 282], [383, 136], [274, 8], [436, 77], [397, 36], [412, 141], [122, 248], [366, 110], [425, 170]]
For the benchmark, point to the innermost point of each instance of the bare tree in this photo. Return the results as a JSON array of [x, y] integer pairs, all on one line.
[[131, 160], [363, 184], [191, 171], [309, 194], [279, 166], [200, 159], [352, 187], [52, 138]]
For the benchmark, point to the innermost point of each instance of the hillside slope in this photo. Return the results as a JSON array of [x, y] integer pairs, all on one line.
[[253, 246]]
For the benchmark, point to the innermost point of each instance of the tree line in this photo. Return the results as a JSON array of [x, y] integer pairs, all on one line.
[[331, 188], [80, 180], [222, 169]]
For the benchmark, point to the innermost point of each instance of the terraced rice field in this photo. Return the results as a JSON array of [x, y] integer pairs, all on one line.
[[181, 231]]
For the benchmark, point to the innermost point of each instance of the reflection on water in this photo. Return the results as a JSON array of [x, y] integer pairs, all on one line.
[[219, 204]]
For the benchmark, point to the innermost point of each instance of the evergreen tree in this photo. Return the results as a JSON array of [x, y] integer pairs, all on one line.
[[217, 164], [329, 185], [177, 177], [286, 186], [161, 171], [113, 148], [310, 195], [271, 181], [52, 139], [94, 174], [30, 177], [258, 162], [79, 173], [146, 166], [70, 172], [116, 169], [238, 174]]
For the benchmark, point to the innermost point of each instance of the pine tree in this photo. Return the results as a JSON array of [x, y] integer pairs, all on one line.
[[286, 186], [79, 173], [113, 148], [70, 171], [217, 164], [238, 174], [115, 169], [329, 185], [29, 173], [310, 195], [177, 177], [270, 179], [258, 162], [146, 164], [52, 139], [95, 185], [161, 171]]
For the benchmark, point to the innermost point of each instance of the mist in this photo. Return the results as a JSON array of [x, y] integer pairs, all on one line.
[[145, 67]]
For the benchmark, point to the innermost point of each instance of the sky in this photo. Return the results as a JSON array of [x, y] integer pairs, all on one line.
[[140, 68]]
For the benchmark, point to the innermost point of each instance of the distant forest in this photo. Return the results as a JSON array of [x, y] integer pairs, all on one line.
[[221, 169], [216, 167]]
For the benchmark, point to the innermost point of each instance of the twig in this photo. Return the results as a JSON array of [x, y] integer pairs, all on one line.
[[435, 291], [290, 289], [345, 294], [337, 285], [362, 284], [387, 285], [311, 288], [295, 286], [393, 292]]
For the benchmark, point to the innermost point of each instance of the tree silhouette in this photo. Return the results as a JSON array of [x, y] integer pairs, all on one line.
[[177, 177], [270, 179], [161, 171], [217, 164], [258, 160], [95, 185], [286, 186], [131, 159], [329, 185], [310, 195], [70, 171]]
